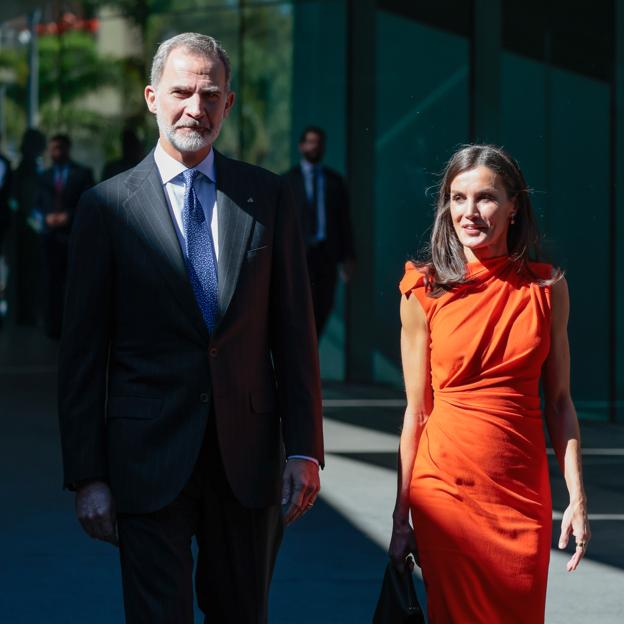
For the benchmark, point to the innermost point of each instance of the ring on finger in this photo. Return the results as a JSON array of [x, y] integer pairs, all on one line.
[[581, 544]]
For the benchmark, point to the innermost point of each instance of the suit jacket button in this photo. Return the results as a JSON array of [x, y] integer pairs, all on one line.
[[204, 398], [213, 352]]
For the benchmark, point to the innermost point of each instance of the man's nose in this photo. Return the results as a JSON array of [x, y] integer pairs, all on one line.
[[194, 106]]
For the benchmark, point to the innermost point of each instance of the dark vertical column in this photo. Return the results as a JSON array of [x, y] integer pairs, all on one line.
[[617, 221], [241, 79], [33, 70], [361, 175], [486, 71]]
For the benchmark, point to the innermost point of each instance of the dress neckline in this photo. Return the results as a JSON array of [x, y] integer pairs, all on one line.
[[486, 266]]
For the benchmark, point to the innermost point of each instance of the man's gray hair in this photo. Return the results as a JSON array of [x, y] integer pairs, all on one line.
[[202, 45]]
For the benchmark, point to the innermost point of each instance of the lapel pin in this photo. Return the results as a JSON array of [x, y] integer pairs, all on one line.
[[250, 200]]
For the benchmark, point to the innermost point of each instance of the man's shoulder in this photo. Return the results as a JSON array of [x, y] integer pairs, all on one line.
[[116, 189], [239, 167], [293, 172], [332, 174], [79, 167]]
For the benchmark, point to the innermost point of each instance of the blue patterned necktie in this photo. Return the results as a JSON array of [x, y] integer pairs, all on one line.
[[200, 252]]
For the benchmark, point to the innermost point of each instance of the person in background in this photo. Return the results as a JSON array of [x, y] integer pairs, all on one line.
[[5, 222], [131, 155], [483, 323], [28, 257], [322, 203], [60, 188], [5, 194]]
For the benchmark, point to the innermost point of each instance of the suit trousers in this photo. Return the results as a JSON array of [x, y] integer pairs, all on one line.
[[236, 550], [323, 272], [56, 251]]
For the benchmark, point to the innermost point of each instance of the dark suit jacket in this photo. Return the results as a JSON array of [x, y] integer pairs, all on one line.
[[138, 368], [79, 180], [5, 194], [338, 222]]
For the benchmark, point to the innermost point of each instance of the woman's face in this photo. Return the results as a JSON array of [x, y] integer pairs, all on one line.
[[481, 212]]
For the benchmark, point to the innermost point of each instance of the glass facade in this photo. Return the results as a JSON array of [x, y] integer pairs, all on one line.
[[398, 86], [422, 114], [556, 120]]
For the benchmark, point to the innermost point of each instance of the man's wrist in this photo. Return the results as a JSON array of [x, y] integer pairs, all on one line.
[[74, 486], [304, 457]]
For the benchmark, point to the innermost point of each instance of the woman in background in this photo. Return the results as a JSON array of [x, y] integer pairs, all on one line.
[[482, 324]]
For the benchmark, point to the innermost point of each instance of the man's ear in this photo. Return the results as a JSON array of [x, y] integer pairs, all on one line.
[[230, 98], [150, 98]]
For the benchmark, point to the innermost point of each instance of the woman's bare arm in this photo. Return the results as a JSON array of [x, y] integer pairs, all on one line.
[[416, 372], [563, 427]]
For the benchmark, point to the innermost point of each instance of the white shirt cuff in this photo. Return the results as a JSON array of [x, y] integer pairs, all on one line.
[[312, 459]]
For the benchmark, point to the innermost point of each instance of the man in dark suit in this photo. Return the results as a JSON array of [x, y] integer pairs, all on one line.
[[188, 366], [5, 221], [323, 205], [5, 194], [58, 192]]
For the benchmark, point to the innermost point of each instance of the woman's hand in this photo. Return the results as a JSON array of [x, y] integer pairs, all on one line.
[[402, 544], [575, 523]]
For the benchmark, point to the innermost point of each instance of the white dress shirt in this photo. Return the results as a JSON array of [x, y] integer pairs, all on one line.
[[170, 171], [308, 170]]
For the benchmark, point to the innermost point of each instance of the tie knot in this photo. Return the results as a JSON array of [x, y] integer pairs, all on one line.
[[190, 175]]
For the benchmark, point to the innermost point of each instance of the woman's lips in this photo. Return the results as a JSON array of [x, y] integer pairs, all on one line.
[[474, 228]]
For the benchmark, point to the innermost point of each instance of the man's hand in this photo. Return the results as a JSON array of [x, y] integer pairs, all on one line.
[[300, 489], [95, 510], [62, 219], [57, 219], [347, 269]]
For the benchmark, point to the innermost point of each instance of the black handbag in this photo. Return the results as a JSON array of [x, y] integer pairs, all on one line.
[[398, 603]]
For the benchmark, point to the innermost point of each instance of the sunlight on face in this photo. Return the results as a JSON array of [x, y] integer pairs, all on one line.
[[481, 211], [190, 102]]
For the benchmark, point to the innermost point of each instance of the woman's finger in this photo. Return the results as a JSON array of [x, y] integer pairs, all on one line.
[[579, 553], [566, 528]]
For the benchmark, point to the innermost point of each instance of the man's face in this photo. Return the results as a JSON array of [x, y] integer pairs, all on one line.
[[190, 102], [312, 148], [59, 152]]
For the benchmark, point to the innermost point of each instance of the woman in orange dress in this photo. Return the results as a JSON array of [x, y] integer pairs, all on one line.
[[482, 325]]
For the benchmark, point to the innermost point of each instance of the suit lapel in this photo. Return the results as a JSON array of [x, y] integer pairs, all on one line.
[[146, 207], [235, 216]]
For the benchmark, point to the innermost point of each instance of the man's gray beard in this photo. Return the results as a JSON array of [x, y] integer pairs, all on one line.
[[190, 140]]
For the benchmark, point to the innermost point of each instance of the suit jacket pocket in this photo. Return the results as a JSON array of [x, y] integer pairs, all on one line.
[[252, 253], [262, 401], [133, 407]]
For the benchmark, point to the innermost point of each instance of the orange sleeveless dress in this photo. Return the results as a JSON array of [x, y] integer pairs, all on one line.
[[480, 492]]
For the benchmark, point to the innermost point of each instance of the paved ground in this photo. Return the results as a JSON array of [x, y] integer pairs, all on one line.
[[331, 563]]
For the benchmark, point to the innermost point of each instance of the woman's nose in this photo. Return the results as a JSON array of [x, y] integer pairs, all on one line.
[[470, 207]]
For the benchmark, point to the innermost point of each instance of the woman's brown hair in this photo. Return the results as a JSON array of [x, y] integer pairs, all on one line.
[[446, 266]]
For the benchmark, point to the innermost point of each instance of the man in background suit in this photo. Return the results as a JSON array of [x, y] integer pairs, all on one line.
[[323, 205], [188, 364], [5, 221], [59, 189], [5, 194]]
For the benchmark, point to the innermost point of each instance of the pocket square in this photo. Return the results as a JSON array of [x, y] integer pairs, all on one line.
[[250, 200]]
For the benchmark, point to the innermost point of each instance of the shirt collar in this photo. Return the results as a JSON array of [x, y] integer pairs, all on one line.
[[170, 168]]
